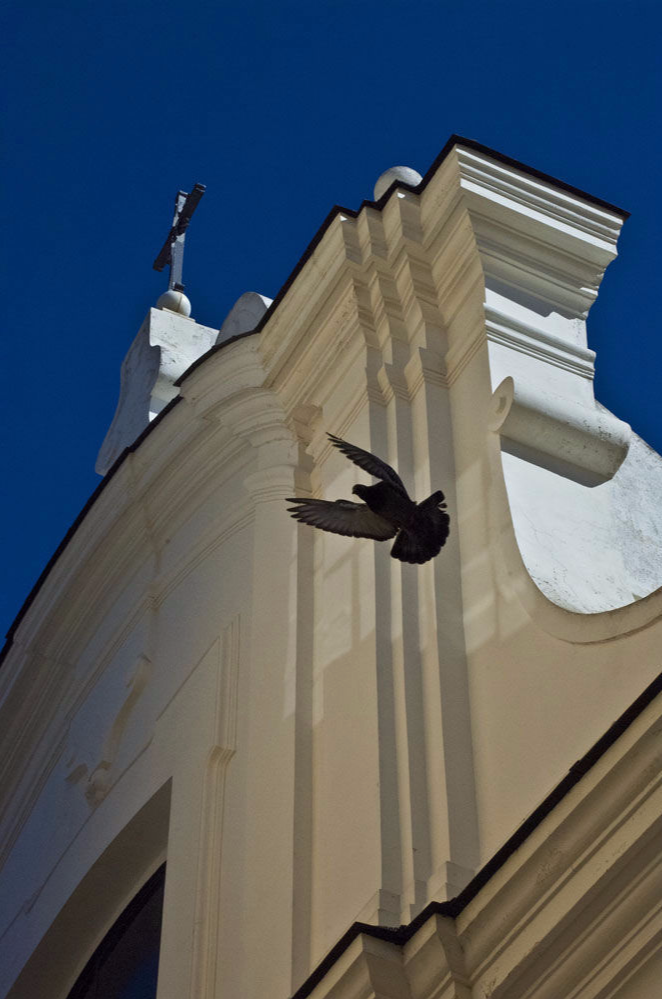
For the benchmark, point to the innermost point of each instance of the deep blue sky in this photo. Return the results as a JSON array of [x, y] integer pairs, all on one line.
[[282, 110]]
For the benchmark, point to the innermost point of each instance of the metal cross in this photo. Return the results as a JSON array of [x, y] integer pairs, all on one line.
[[172, 251]]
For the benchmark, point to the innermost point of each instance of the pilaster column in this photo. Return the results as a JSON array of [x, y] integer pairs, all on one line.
[[275, 900], [434, 694]]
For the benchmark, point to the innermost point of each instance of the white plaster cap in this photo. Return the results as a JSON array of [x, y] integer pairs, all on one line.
[[244, 316], [386, 179], [174, 301]]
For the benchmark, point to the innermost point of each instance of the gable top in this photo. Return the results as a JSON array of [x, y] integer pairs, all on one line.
[[453, 142]]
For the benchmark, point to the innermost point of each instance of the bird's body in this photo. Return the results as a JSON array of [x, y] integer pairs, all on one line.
[[387, 511]]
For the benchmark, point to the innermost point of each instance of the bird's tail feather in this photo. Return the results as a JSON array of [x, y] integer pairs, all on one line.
[[422, 540], [411, 547]]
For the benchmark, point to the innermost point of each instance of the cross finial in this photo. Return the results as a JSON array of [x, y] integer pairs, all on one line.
[[172, 251]]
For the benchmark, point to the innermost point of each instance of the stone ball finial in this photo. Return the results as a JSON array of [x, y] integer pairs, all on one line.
[[386, 179], [175, 301]]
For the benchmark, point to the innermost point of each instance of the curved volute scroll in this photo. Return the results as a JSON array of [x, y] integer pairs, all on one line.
[[581, 488], [583, 441], [581, 492], [538, 592]]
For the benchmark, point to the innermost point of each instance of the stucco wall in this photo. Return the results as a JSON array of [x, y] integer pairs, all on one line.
[[341, 737]]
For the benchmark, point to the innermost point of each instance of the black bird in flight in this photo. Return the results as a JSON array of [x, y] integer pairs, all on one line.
[[387, 511]]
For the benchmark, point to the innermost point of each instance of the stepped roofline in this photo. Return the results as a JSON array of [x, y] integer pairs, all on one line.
[[338, 210]]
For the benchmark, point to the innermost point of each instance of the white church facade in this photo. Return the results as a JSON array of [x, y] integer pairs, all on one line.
[[272, 761]]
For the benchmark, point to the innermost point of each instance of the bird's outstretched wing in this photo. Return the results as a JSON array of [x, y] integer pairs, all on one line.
[[374, 466], [354, 520]]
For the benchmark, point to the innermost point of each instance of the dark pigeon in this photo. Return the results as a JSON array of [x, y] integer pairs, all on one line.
[[387, 511]]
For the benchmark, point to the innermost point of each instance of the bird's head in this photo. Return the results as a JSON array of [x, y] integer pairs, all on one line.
[[360, 491]]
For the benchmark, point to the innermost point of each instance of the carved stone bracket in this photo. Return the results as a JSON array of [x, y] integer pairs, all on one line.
[[96, 778]]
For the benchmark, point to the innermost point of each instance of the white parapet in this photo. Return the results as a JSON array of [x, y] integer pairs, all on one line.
[[166, 345]]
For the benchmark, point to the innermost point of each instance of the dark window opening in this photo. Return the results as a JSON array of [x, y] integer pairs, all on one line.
[[126, 962]]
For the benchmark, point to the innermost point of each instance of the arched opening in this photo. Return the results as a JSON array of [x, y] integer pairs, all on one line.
[[126, 962], [107, 898]]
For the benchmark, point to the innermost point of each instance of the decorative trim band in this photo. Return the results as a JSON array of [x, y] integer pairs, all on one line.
[[547, 347]]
